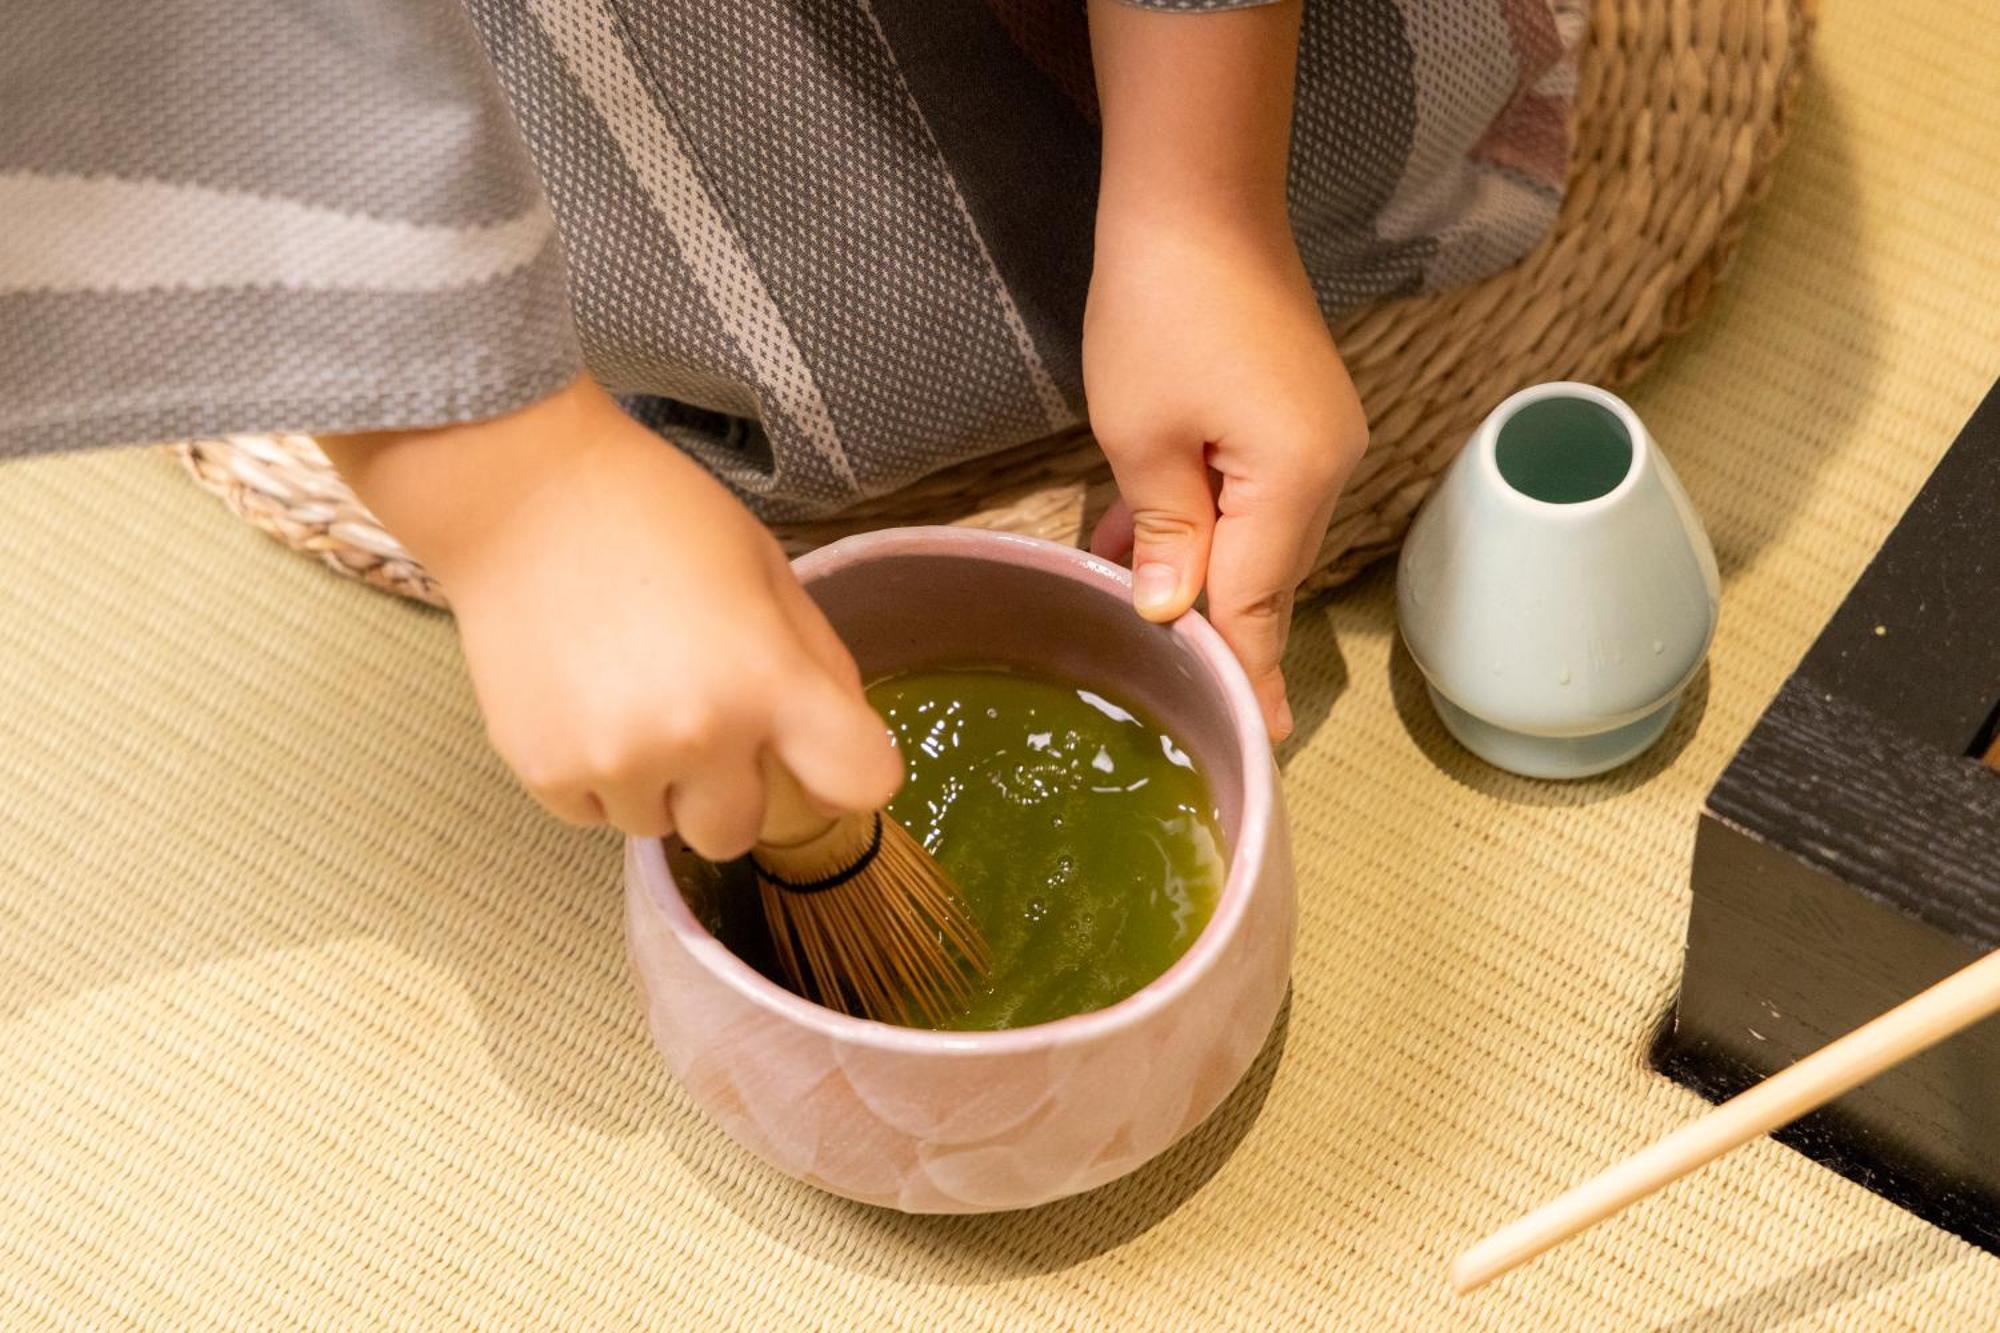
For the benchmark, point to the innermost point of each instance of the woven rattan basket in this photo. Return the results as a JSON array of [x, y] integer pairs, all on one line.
[[1681, 107]]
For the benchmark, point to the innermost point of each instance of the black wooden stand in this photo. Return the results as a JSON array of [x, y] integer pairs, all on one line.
[[1849, 856]]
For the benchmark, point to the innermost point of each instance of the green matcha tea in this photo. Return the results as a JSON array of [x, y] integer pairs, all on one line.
[[1084, 839]]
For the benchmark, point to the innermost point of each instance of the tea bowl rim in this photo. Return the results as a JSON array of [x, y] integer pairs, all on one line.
[[1259, 806]]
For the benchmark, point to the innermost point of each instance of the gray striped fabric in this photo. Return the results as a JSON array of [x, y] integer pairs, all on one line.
[[826, 247], [222, 216]]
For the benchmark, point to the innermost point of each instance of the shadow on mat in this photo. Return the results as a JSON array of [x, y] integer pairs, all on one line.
[[996, 1246], [1886, 1263]]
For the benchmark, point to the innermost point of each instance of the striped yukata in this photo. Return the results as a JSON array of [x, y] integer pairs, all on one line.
[[825, 246]]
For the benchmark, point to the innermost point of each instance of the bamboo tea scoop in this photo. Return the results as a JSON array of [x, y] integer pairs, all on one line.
[[862, 918], [1956, 1003]]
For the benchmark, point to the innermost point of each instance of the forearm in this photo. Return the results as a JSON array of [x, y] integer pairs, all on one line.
[[1197, 112], [449, 492]]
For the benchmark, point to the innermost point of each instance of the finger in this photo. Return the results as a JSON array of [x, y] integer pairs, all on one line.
[[1173, 519], [876, 769], [1263, 542], [578, 807], [836, 745], [718, 808], [571, 802], [1315, 537], [636, 809], [1111, 539]]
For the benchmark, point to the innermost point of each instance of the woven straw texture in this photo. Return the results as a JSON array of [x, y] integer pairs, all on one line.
[[1680, 112], [307, 1018]]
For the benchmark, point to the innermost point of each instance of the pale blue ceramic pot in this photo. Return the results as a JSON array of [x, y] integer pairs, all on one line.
[[1557, 590]]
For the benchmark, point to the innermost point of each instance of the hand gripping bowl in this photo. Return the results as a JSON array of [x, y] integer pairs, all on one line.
[[959, 1122]]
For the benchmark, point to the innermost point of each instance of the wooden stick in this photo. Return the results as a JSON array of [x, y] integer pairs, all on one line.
[[1957, 1002], [1993, 754]]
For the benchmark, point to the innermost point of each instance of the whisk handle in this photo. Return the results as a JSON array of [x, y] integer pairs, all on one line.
[[790, 816]]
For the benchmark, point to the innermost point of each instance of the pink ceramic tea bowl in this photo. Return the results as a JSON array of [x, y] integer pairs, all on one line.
[[954, 1122]]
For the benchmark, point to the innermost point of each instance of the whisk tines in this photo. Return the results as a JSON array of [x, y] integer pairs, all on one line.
[[884, 934]]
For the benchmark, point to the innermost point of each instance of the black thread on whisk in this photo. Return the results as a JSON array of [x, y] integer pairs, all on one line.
[[825, 882]]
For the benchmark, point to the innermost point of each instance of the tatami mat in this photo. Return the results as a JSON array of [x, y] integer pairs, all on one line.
[[307, 1017]]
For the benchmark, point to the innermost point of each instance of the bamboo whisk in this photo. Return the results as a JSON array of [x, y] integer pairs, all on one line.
[[862, 918]]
